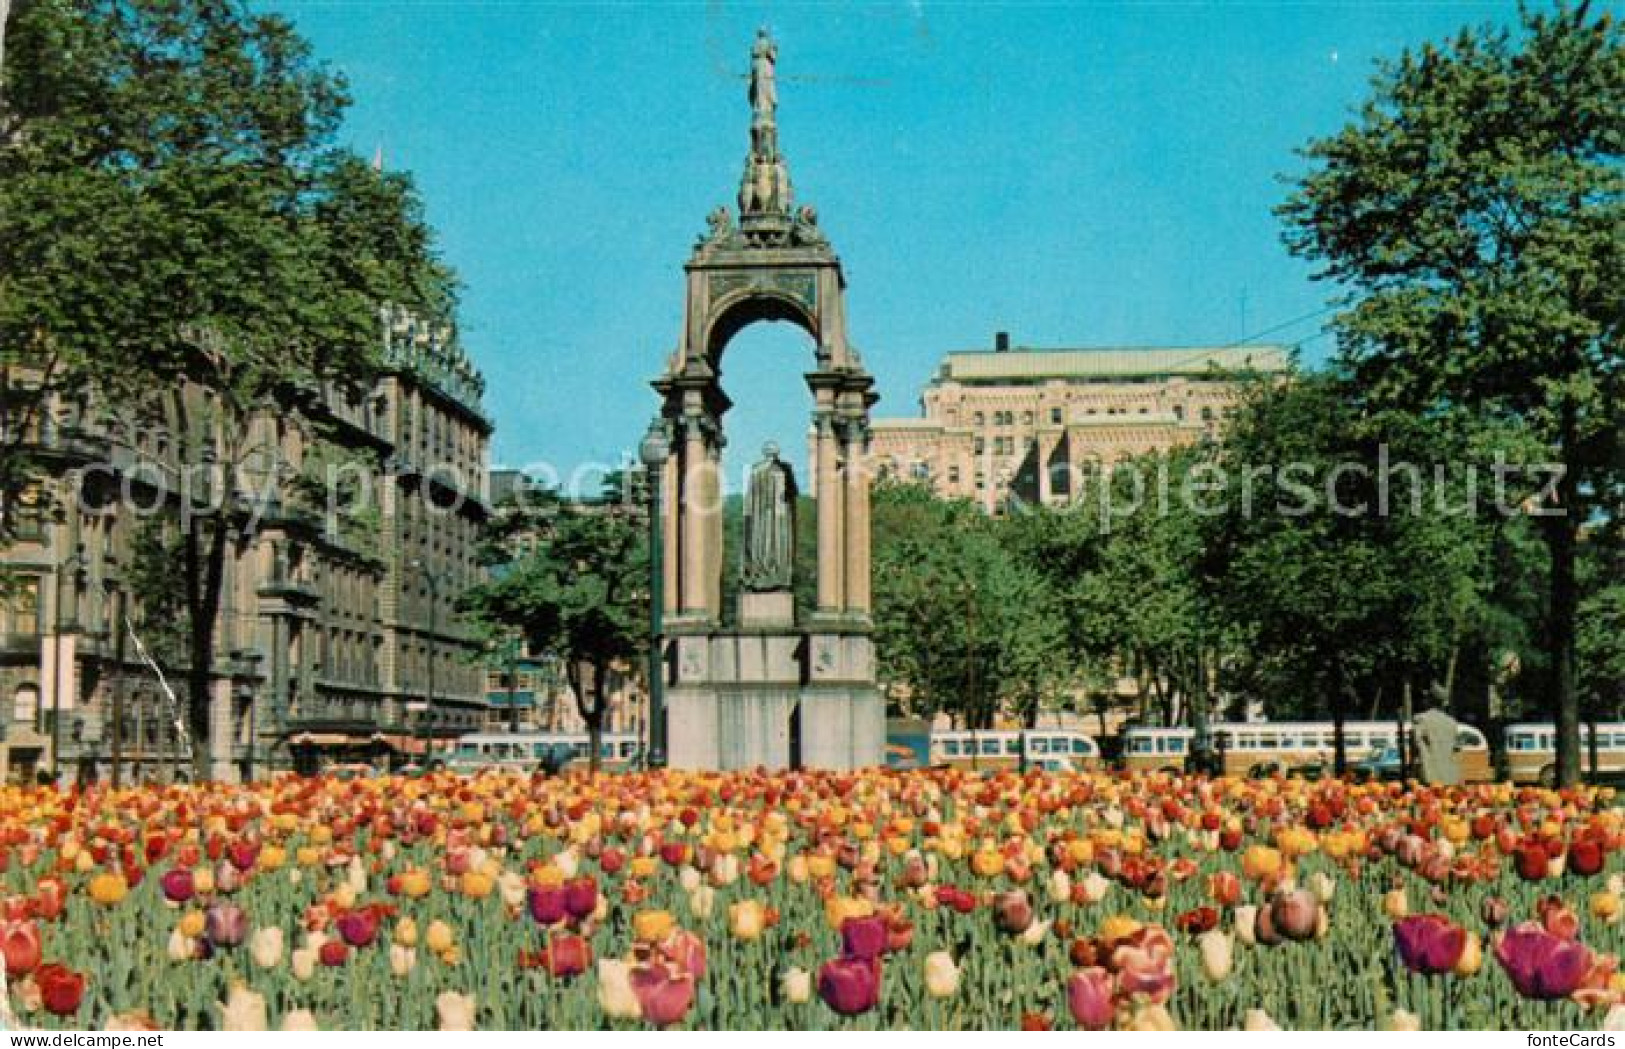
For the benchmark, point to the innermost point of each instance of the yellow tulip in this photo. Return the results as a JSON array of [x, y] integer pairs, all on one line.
[[438, 937], [109, 889], [652, 926], [747, 919]]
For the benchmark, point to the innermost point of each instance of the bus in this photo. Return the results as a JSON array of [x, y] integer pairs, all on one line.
[[1052, 749], [527, 751], [1531, 751], [1257, 746]]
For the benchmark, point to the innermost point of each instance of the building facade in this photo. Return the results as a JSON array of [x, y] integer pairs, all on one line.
[[354, 524], [1023, 423]]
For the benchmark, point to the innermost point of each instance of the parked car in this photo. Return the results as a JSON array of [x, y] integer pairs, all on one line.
[[1384, 764]]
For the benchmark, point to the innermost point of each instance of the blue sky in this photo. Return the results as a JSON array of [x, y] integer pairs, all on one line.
[[1090, 174]]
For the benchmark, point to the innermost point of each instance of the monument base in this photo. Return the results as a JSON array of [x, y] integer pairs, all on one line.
[[774, 699]]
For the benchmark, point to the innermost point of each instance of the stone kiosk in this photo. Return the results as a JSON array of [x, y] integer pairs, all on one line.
[[770, 689]]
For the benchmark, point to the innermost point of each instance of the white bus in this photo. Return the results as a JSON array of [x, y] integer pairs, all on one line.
[[526, 751], [1052, 749], [1249, 745], [1531, 750]]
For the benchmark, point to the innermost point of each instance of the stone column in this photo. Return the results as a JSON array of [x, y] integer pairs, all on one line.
[[713, 533], [1044, 481], [671, 506], [831, 548], [857, 518], [694, 530]]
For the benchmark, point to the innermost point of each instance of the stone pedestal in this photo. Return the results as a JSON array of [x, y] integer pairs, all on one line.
[[775, 698], [767, 609]]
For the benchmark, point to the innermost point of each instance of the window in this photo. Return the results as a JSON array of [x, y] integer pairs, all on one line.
[[1038, 745], [950, 747], [1080, 746], [953, 475], [921, 471], [1055, 416], [23, 608], [1026, 418], [990, 746], [1141, 745], [978, 418], [978, 446]]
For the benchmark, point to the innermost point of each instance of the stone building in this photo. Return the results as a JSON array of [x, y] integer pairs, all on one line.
[[355, 522], [1023, 422]]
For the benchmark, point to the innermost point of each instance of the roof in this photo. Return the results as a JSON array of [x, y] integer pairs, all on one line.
[[1108, 362]]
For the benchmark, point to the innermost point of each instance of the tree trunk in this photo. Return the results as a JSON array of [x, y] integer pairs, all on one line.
[[205, 570], [1562, 533], [593, 714]]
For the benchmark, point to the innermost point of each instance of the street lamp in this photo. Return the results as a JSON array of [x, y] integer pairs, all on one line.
[[433, 582], [75, 560], [654, 450]]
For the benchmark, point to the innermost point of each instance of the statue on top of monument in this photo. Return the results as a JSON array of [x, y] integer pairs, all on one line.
[[764, 91], [768, 557]]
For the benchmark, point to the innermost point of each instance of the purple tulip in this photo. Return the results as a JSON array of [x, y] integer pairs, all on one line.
[[863, 938], [850, 985], [1541, 965], [1429, 943]]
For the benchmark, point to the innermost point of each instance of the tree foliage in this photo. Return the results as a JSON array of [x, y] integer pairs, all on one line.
[[1474, 217]]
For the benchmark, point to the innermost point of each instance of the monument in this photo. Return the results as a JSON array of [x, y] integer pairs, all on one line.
[[769, 687], [1437, 748]]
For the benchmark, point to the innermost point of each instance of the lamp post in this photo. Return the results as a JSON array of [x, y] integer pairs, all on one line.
[[656, 447], [433, 583], [75, 560]]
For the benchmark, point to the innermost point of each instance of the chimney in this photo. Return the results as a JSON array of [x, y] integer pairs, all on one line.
[[1001, 341]]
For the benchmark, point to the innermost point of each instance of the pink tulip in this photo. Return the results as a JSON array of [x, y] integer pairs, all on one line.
[[225, 925], [1145, 965], [581, 898], [1089, 996], [686, 951], [664, 992]]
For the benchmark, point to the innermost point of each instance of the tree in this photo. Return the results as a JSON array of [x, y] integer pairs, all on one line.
[[1347, 573], [1473, 215], [962, 626], [578, 590], [175, 217]]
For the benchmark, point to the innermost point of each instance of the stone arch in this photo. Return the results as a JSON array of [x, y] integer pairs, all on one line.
[[739, 310]]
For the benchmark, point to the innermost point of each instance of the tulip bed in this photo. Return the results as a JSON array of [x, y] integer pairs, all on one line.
[[752, 900]]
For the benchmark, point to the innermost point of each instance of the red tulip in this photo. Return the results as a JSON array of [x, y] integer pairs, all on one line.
[[547, 905], [333, 953], [1532, 861], [1089, 994], [1225, 888], [61, 989], [1429, 943], [1540, 964], [581, 898], [850, 985], [1586, 857], [566, 956], [20, 943]]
